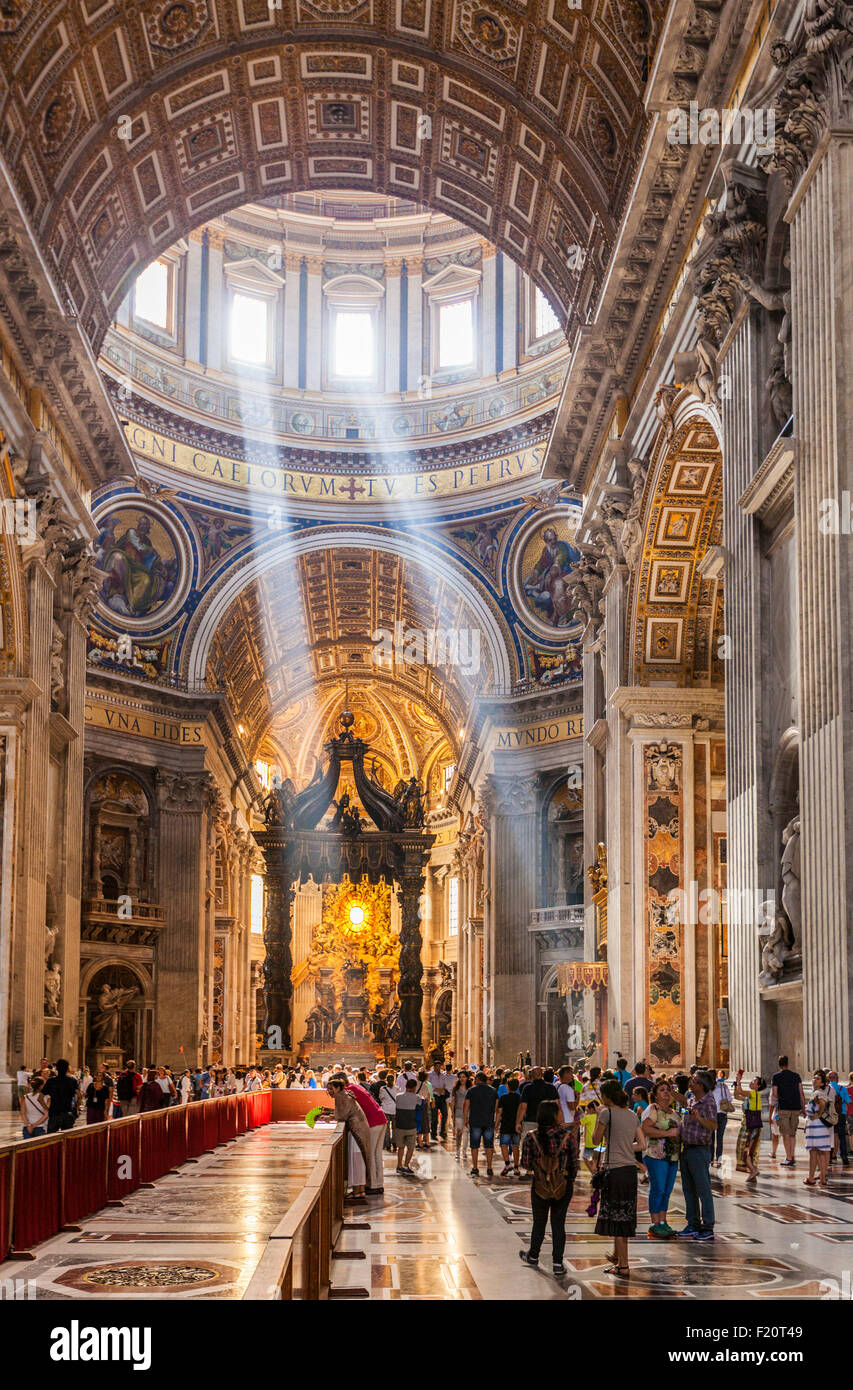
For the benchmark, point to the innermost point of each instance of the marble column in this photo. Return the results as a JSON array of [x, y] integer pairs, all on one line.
[[16, 694], [512, 805], [410, 886], [182, 801], [822, 283], [625, 970], [749, 831], [28, 938]]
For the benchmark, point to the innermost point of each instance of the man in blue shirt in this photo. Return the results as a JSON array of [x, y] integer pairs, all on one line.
[[843, 1094], [623, 1076]]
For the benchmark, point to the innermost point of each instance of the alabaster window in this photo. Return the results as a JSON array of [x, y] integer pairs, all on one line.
[[545, 321], [456, 333], [353, 346], [153, 294], [257, 905], [451, 322], [253, 299], [353, 356], [453, 907]]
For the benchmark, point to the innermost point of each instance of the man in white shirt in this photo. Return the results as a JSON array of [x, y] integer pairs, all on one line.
[[567, 1095], [442, 1084], [405, 1075]]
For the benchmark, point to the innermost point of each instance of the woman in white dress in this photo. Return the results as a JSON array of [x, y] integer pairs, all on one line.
[[820, 1129]]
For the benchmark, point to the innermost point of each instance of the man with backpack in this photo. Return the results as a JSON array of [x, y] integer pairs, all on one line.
[[550, 1153], [128, 1086]]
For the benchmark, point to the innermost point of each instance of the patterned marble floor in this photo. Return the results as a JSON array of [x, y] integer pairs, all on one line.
[[445, 1235], [199, 1234]]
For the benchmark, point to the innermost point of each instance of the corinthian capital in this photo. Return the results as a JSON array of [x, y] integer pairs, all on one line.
[[510, 796], [182, 792]]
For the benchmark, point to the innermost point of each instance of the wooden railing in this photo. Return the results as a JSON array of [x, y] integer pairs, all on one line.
[[297, 1261]]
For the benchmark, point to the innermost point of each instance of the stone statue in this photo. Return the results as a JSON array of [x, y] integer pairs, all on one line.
[[52, 989], [775, 951], [57, 664], [111, 1001], [278, 806], [632, 530], [791, 878], [50, 935], [393, 1024]]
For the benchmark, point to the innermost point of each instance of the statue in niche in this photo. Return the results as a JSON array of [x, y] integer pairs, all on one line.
[[775, 951], [52, 990], [105, 1024], [51, 932], [379, 1024], [57, 665], [632, 529], [791, 878], [574, 1010]]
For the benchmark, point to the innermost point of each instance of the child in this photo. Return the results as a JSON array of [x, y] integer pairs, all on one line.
[[588, 1117]]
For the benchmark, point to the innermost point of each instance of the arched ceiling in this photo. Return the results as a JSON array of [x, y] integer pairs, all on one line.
[[676, 614], [126, 123], [296, 638]]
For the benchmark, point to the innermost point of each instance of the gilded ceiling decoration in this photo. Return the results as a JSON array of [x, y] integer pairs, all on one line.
[[676, 610], [127, 126]]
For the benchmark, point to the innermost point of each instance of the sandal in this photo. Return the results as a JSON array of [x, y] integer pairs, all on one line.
[[809, 1182], [621, 1271]]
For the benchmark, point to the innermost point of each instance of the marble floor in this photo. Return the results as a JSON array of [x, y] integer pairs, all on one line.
[[446, 1235], [442, 1234]]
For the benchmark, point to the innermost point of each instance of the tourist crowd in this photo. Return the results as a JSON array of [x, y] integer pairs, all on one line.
[[52, 1096], [625, 1127]]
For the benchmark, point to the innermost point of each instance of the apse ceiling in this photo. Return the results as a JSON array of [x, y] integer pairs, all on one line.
[[125, 126], [300, 638]]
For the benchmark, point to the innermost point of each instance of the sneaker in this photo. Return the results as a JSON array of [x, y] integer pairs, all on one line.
[[524, 1256], [668, 1231], [410, 1172], [657, 1232], [516, 1172], [506, 1170], [689, 1233], [559, 1271], [704, 1235]]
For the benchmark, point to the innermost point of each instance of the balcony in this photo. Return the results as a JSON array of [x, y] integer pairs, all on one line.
[[105, 919], [558, 928]]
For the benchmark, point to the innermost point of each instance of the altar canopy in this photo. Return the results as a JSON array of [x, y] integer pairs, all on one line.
[[396, 852]]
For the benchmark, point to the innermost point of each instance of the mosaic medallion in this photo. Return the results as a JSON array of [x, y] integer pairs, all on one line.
[[541, 573], [142, 563], [171, 1275]]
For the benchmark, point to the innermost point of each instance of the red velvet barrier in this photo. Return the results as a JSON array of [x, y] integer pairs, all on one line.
[[84, 1181], [64, 1178], [36, 1199], [211, 1123], [176, 1134], [124, 1166], [155, 1145], [5, 1207], [195, 1129], [228, 1119]]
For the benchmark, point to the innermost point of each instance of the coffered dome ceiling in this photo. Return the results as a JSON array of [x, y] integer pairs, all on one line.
[[126, 125], [299, 639]]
